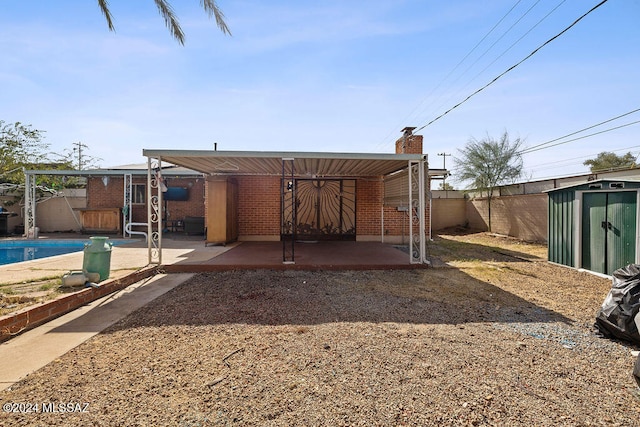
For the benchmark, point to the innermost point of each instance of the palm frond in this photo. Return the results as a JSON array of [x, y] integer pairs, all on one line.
[[104, 7], [212, 9], [170, 20]]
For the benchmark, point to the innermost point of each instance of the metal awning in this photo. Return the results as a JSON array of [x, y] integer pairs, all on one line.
[[270, 162], [300, 164]]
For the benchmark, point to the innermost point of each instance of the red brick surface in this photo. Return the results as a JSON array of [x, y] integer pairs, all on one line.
[[30, 317]]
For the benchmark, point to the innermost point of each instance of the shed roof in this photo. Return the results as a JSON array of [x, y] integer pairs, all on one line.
[[270, 162], [596, 182]]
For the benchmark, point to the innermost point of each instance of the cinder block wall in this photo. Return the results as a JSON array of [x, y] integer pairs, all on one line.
[[449, 213], [52, 215], [58, 214], [523, 216]]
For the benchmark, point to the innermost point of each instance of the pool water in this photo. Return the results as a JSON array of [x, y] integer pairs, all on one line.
[[12, 251]]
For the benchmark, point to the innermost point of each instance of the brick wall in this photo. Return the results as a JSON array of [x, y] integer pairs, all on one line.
[[369, 195], [259, 206], [28, 318], [259, 209], [100, 195], [369, 199], [194, 206], [111, 195]]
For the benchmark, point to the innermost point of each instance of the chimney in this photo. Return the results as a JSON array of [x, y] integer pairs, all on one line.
[[409, 143]]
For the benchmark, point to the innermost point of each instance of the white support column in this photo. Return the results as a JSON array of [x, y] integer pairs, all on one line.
[[417, 204], [154, 210], [126, 217], [30, 205]]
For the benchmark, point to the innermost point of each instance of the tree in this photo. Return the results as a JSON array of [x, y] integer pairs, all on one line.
[[21, 146], [608, 161], [170, 20], [78, 158], [446, 186], [489, 163]]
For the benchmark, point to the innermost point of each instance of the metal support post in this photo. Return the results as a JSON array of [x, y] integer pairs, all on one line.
[[288, 210], [154, 210]]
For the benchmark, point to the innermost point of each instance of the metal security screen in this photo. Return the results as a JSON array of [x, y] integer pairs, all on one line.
[[325, 209]]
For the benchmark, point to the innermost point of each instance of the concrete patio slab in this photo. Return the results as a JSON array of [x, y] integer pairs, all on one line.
[[307, 255]]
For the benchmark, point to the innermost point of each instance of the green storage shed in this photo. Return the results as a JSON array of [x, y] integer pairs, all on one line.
[[594, 225]]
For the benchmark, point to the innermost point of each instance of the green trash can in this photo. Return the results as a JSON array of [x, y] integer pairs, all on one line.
[[97, 257]]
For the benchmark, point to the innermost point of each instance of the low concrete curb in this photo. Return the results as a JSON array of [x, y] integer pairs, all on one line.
[[30, 317]]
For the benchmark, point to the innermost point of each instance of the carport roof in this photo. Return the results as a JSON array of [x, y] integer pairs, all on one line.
[[270, 162]]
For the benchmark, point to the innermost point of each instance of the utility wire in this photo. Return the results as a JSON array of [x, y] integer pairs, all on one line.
[[452, 71], [572, 159], [513, 66], [519, 40], [533, 148], [483, 54], [581, 137], [502, 54]]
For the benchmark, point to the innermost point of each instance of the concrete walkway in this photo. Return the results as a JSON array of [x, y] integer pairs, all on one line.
[[37, 347]]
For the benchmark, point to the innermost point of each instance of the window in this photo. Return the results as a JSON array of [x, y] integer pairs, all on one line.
[[138, 194]]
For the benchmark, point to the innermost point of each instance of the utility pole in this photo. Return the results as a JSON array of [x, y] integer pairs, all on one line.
[[78, 147], [444, 178]]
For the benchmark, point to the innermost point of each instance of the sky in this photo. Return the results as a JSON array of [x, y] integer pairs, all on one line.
[[330, 76]]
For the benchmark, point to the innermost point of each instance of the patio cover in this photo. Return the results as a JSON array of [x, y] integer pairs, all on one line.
[[301, 164], [270, 162]]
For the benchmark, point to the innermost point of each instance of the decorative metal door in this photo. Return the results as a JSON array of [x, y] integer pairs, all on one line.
[[325, 209], [608, 230]]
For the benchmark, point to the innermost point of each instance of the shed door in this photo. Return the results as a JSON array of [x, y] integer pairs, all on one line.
[[608, 230]]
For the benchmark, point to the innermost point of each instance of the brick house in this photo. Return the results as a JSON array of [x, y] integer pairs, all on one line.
[[107, 207], [115, 197], [264, 196]]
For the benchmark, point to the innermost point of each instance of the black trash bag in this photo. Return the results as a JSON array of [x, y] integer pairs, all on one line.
[[617, 316]]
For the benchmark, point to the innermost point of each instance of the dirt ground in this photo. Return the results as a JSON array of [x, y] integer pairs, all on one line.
[[493, 335]]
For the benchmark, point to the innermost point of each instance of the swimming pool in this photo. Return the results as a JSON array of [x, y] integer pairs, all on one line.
[[12, 251]]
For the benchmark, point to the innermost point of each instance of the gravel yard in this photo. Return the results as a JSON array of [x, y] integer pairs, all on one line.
[[493, 335]]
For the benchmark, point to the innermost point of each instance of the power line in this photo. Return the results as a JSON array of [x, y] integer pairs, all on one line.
[[502, 54], [582, 137], [532, 148], [453, 69], [519, 40], [513, 66], [572, 159], [483, 54]]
